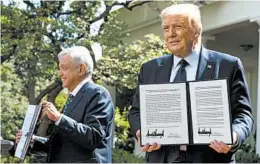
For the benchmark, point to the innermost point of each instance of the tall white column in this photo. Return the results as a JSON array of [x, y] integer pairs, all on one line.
[[258, 97], [257, 121]]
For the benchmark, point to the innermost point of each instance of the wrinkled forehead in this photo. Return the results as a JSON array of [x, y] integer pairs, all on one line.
[[175, 18], [66, 60]]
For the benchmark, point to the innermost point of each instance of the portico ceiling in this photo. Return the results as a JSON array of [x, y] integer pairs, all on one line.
[[229, 40]]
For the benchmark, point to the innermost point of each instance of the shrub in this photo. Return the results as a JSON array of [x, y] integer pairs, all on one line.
[[246, 153], [121, 156]]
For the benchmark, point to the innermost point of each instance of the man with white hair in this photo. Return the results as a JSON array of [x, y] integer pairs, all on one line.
[[189, 61], [83, 132]]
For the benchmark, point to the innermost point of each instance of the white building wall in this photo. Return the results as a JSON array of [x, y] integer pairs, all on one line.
[[144, 20], [224, 13]]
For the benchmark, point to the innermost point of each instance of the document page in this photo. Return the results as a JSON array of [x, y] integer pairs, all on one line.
[[27, 130], [210, 111], [163, 110]]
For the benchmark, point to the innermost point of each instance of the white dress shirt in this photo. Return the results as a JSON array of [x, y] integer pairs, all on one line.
[[191, 69], [79, 86]]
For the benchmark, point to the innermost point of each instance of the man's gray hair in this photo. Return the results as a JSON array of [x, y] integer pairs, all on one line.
[[80, 55]]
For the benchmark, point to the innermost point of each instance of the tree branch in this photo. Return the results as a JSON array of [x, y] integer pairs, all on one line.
[[93, 57], [11, 53], [31, 92], [55, 43], [54, 93], [130, 7], [67, 12], [48, 90], [126, 4], [42, 4], [78, 11], [105, 13], [61, 3], [30, 4], [57, 9], [51, 37]]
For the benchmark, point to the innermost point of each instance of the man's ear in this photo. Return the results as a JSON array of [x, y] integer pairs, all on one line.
[[197, 33], [196, 38], [82, 69]]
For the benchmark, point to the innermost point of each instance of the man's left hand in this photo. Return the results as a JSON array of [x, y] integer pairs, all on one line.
[[221, 147], [50, 110]]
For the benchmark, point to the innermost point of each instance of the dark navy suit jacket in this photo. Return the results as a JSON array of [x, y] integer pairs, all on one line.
[[84, 134], [212, 65]]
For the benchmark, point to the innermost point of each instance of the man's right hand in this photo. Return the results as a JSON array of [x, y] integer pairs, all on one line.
[[147, 147], [18, 136]]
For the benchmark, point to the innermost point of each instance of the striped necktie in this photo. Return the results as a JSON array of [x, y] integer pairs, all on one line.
[[181, 74], [69, 99]]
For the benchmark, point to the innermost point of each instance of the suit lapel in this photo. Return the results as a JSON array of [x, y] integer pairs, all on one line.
[[205, 66], [163, 72], [77, 98]]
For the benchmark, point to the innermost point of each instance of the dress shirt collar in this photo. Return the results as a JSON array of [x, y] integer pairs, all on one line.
[[192, 58], [79, 86]]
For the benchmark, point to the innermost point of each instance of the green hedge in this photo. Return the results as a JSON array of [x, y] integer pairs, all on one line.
[[121, 156], [246, 153]]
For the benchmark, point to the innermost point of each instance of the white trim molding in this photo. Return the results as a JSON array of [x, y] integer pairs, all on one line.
[[257, 20]]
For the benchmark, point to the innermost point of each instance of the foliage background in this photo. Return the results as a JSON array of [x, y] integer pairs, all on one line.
[[31, 38]]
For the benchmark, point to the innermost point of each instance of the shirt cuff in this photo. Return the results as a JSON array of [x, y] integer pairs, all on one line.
[[32, 141], [58, 122], [236, 144]]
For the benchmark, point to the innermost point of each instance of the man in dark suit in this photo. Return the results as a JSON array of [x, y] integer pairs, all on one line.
[[190, 61], [83, 132]]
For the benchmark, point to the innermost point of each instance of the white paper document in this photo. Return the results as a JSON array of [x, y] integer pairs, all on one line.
[[185, 113], [29, 123], [210, 111], [164, 113]]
